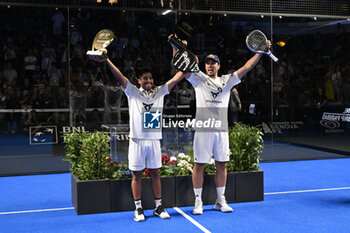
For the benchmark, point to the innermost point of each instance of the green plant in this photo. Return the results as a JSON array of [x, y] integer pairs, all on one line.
[[167, 168], [246, 144], [94, 157], [73, 148], [88, 154], [210, 168]]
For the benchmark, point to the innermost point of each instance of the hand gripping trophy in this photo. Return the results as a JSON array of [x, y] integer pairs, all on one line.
[[102, 40]]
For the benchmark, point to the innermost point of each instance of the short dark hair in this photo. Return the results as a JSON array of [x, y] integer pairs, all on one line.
[[143, 70]]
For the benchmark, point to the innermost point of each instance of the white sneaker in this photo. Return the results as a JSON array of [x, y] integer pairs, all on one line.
[[222, 206], [139, 216], [198, 207], [161, 212]]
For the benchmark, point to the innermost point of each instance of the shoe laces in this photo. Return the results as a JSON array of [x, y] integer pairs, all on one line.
[[198, 202], [160, 209], [222, 200], [139, 211]]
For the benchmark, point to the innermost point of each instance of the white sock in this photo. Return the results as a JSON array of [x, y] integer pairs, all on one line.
[[198, 193], [138, 204], [158, 202], [220, 192]]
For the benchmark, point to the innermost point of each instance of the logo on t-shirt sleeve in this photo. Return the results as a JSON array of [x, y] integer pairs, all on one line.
[[152, 120]]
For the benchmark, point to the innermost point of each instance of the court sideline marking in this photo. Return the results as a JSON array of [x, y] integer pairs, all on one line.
[[70, 208], [307, 191], [191, 220], [33, 211], [179, 210]]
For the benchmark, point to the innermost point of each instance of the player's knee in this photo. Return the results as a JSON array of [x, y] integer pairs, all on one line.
[[154, 173], [137, 176], [220, 166], [199, 167]]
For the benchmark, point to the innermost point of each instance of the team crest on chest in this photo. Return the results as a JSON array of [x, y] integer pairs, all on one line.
[[215, 94], [147, 106]]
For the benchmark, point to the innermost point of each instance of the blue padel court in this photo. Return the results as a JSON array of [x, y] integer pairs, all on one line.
[[300, 196]]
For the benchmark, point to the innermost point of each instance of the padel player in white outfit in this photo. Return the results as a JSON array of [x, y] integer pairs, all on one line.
[[212, 98], [144, 144]]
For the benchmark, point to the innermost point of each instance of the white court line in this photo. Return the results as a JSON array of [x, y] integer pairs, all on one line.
[[307, 191], [179, 210], [192, 220], [33, 211]]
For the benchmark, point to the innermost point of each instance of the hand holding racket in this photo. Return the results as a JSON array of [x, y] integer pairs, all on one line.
[[184, 60], [257, 42]]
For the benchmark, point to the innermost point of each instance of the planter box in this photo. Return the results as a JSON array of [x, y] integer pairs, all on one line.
[[185, 195], [250, 186], [122, 200], [91, 196], [102, 196], [230, 191]]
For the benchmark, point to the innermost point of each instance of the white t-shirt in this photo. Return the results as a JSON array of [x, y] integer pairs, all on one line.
[[213, 95], [140, 101]]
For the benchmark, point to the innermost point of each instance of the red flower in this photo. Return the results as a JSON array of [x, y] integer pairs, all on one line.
[[147, 172], [172, 163], [116, 163], [165, 159], [109, 159]]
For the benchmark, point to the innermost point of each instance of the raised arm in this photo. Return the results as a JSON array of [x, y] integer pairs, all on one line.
[[248, 66], [116, 73], [251, 63], [177, 78]]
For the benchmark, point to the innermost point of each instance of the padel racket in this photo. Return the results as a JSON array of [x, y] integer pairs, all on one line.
[[256, 42], [185, 61]]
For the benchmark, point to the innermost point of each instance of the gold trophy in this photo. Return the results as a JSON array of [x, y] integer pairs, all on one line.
[[102, 40]]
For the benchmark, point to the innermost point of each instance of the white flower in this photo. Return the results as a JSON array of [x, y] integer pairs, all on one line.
[[172, 158], [182, 156], [212, 161], [181, 163]]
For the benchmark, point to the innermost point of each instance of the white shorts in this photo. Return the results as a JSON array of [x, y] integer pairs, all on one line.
[[208, 143], [144, 153]]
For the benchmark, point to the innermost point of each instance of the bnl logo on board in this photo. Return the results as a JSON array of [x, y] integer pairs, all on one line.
[[152, 120], [39, 135]]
